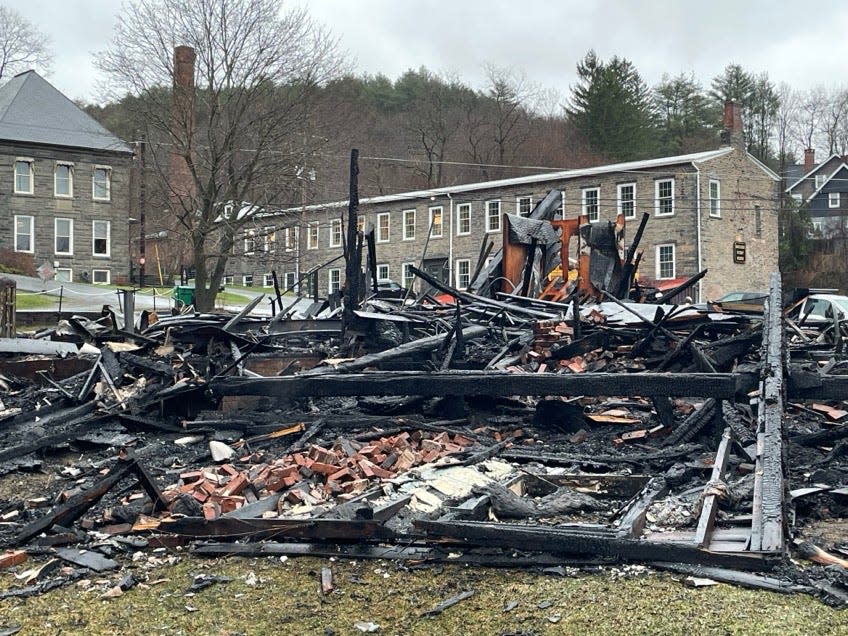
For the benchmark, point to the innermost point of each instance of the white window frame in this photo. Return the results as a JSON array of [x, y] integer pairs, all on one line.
[[70, 166], [383, 272], [229, 280], [30, 174], [31, 241], [518, 202], [334, 285], [269, 239], [108, 172], [493, 221], [798, 198], [70, 278], [247, 280], [387, 217], [658, 201], [463, 209], [267, 279], [335, 233], [94, 238], [659, 262], [313, 230], [290, 238], [407, 234], [620, 200], [715, 201], [820, 179], [833, 199], [462, 263], [591, 210], [437, 231], [407, 276], [249, 242], [290, 281], [94, 280], [70, 251]]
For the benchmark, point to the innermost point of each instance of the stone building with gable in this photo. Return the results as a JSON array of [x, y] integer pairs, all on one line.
[[64, 185]]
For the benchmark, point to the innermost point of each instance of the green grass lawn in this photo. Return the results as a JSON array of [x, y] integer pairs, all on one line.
[[26, 300]]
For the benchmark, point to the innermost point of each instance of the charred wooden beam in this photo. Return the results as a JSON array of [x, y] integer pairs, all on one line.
[[709, 506], [576, 542], [319, 529], [767, 532], [632, 522], [462, 383]]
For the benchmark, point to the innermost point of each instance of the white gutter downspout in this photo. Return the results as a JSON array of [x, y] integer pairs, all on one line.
[[450, 242], [698, 230]]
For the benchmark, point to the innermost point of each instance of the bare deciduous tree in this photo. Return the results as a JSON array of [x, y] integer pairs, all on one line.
[[242, 132], [22, 46]]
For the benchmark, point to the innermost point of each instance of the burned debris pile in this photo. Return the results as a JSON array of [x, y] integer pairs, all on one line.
[[503, 431]]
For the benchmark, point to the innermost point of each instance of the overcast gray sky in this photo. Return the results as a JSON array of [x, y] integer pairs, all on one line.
[[543, 39]]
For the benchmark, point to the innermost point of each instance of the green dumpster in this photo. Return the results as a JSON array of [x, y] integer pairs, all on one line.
[[183, 296]]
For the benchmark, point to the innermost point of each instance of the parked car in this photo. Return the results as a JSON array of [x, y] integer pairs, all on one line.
[[391, 289], [819, 309], [745, 297]]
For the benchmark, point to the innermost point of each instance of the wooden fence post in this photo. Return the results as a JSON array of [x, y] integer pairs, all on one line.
[[7, 308]]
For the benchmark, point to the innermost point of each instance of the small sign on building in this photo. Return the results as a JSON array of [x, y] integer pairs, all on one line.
[[739, 252]]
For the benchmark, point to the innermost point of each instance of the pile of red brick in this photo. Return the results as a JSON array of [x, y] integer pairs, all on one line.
[[316, 474]]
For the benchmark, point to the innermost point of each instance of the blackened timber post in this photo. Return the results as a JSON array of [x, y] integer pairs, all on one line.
[[352, 255]]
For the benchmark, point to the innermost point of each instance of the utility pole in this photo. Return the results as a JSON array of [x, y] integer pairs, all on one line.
[[142, 205], [352, 254]]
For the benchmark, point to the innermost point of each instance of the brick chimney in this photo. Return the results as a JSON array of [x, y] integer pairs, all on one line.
[[732, 133], [182, 185], [809, 159]]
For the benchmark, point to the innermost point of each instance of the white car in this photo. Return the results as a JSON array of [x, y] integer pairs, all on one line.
[[818, 309]]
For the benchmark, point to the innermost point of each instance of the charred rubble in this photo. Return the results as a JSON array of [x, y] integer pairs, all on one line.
[[495, 429]]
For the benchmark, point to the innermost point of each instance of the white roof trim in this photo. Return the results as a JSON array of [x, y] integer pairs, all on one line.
[[812, 172], [629, 166], [763, 167], [826, 181]]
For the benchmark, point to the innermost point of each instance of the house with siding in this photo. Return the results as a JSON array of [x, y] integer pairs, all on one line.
[[64, 185], [823, 189], [715, 210]]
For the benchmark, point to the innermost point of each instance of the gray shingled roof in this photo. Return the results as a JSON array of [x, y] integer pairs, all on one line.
[[33, 111]]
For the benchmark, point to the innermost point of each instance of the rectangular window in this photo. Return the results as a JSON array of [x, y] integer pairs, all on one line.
[[63, 180], [360, 223], [229, 280], [758, 222], [269, 240], [523, 206], [664, 197], [383, 227], [590, 201], [833, 199], [24, 229], [101, 188], [247, 280], [312, 236], [63, 236], [436, 225], [493, 216], [715, 198], [383, 271], [336, 233], [627, 200], [268, 280], [101, 238], [820, 179], [290, 282], [408, 225], [249, 241], [665, 261], [408, 276], [463, 273], [101, 276], [463, 219], [335, 280], [64, 275], [23, 176], [290, 237]]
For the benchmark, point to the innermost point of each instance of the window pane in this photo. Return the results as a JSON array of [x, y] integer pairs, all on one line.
[[101, 183], [63, 180]]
